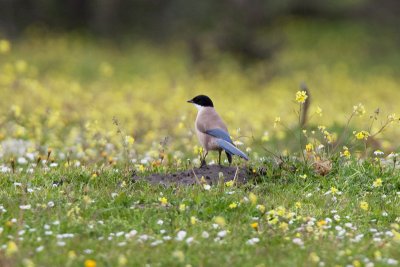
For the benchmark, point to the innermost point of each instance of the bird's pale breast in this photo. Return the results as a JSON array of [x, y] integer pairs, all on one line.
[[208, 119]]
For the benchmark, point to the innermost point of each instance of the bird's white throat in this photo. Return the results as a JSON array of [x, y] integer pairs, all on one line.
[[199, 108]]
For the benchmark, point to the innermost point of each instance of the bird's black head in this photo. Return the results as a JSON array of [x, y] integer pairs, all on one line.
[[202, 100]]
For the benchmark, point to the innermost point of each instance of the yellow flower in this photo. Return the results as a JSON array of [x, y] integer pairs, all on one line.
[[362, 135], [281, 211], [198, 150], [301, 96], [233, 205], [277, 121], [254, 225], [321, 223], [71, 255], [129, 140], [163, 201], [297, 205], [261, 208], [377, 255], [12, 248], [364, 205], [318, 111], [229, 183], [356, 263], [182, 207], [274, 221], [303, 176], [283, 226], [359, 110], [220, 221], [253, 198], [392, 117], [179, 255], [265, 137], [309, 147], [314, 257], [346, 153], [122, 260], [334, 190], [377, 182], [28, 263], [193, 220], [90, 263], [5, 46]]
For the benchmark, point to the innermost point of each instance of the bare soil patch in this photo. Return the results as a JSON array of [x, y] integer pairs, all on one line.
[[210, 174]]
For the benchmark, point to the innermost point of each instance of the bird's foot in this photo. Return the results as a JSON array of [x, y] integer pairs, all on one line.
[[203, 164]]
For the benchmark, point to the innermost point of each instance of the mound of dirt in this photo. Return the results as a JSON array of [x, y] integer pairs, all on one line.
[[210, 173]]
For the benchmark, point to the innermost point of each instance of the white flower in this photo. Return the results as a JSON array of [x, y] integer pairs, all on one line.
[[22, 161], [156, 243], [298, 241], [143, 237], [180, 236], [189, 240], [163, 231], [88, 251], [119, 234], [40, 248], [253, 241], [2, 209], [53, 164], [60, 243], [222, 233], [207, 187], [5, 169], [160, 222], [167, 237], [50, 204], [121, 244], [205, 234], [392, 261], [131, 234], [25, 207]]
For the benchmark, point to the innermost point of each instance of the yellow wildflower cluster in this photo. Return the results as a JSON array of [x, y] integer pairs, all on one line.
[[346, 153], [163, 201], [309, 147], [362, 135], [301, 97], [364, 205], [359, 110], [377, 182]]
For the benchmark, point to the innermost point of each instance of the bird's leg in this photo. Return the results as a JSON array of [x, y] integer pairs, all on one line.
[[203, 160], [219, 157]]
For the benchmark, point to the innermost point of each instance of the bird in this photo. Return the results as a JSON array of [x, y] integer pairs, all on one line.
[[212, 131]]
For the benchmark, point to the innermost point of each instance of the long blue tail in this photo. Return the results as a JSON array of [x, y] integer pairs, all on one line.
[[231, 149]]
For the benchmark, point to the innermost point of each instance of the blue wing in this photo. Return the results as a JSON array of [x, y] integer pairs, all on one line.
[[231, 149], [221, 134]]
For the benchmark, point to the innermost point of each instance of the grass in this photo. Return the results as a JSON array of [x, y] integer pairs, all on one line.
[[101, 210], [79, 117]]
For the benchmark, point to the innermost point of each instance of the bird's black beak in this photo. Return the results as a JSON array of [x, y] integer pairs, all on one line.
[[190, 101]]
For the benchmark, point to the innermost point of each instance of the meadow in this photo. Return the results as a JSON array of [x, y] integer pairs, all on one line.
[[79, 116]]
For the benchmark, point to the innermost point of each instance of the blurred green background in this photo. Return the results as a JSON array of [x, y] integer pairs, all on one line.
[[72, 66]]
